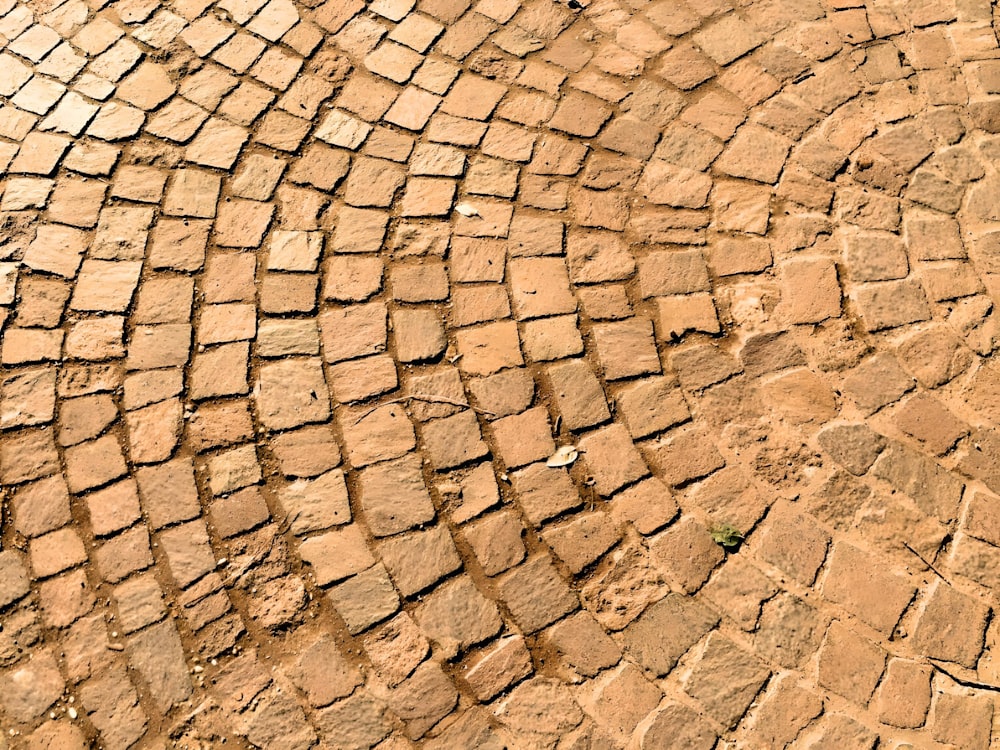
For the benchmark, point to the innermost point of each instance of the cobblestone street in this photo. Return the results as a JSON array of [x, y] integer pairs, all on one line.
[[499, 374]]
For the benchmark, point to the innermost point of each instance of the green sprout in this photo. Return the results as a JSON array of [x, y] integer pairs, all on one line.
[[726, 535]]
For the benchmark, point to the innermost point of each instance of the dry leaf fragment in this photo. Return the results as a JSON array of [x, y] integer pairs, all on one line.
[[564, 456]]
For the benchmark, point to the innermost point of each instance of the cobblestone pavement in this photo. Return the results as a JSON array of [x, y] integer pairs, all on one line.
[[298, 297]]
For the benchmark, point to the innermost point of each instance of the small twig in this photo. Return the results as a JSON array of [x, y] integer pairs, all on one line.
[[368, 412], [430, 399], [962, 681], [236, 573], [925, 562]]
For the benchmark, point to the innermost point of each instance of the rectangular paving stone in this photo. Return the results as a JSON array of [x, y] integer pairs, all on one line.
[[578, 394], [725, 679], [543, 492], [535, 594], [337, 554], [192, 192], [855, 579], [420, 558], [159, 658], [56, 249]]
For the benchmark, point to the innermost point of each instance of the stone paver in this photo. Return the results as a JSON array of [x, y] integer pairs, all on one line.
[[297, 300]]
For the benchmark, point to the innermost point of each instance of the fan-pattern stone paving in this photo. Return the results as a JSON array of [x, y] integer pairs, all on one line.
[[297, 297]]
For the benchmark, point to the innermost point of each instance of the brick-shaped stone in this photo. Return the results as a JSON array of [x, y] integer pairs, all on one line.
[[850, 664], [535, 594], [861, 583], [725, 679]]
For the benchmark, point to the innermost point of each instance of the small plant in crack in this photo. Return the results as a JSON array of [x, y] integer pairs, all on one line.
[[727, 536]]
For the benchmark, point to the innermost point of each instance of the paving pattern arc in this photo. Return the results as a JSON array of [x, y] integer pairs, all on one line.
[[298, 297]]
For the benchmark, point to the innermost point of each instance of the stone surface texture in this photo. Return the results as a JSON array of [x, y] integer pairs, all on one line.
[[299, 297]]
